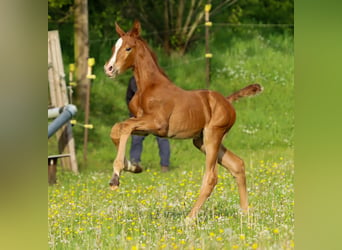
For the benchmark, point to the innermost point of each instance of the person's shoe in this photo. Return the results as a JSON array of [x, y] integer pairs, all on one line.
[[133, 167], [164, 169]]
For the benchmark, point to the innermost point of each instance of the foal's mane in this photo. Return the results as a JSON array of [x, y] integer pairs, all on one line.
[[154, 57]]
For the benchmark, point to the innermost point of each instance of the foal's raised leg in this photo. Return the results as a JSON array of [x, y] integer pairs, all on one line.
[[120, 134], [213, 141], [119, 137]]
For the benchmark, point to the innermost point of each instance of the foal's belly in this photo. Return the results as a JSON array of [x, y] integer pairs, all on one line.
[[186, 125], [184, 134]]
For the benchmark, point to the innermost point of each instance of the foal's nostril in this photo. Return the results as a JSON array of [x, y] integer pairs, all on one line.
[[110, 68]]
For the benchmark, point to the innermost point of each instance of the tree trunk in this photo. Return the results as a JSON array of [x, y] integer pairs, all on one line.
[[166, 37], [179, 20], [81, 50]]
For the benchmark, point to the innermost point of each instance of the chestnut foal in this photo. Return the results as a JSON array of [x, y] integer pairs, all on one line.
[[163, 109]]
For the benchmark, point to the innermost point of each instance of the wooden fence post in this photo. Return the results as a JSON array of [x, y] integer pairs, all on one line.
[[208, 55], [59, 98], [90, 75]]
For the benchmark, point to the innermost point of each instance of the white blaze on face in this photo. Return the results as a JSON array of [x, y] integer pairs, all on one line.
[[117, 47]]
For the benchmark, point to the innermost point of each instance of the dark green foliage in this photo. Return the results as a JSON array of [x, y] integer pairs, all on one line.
[[103, 15], [267, 11]]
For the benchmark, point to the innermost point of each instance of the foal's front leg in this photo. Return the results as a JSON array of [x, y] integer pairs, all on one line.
[[119, 135]]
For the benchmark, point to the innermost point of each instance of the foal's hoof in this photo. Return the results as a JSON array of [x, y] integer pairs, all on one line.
[[190, 221], [114, 188], [114, 182], [244, 211], [133, 167]]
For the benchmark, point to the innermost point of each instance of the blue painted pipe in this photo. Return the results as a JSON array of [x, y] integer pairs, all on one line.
[[68, 112], [54, 112]]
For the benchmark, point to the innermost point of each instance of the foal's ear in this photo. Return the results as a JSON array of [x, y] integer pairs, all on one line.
[[119, 30], [136, 28]]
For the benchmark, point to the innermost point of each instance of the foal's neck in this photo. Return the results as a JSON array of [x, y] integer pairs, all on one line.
[[147, 70]]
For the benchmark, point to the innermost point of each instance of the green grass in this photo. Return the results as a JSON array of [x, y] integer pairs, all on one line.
[[148, 210]]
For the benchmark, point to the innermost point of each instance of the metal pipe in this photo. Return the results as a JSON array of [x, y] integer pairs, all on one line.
[[68, 112], [54, 112]]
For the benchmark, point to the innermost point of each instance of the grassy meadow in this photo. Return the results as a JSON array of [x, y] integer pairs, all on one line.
[[148, 210]]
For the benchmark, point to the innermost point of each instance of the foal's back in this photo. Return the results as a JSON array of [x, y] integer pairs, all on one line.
[[197, 109]]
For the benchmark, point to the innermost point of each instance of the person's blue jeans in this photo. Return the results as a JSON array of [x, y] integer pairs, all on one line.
[[137, 147]]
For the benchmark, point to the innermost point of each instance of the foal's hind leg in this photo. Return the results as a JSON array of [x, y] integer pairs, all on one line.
[[236, 167], [213, 140]]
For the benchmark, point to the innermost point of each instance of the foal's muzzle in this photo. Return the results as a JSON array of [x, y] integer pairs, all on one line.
[[110, 71]]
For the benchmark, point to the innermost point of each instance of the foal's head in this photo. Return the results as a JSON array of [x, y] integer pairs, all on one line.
[[123, 52]]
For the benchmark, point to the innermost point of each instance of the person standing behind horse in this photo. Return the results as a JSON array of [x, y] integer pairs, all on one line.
[[137, 140]]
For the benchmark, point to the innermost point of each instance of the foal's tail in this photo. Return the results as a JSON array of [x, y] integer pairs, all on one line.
[[250, 90]]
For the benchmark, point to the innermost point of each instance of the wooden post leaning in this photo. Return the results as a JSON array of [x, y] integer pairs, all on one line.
[[59, 98]]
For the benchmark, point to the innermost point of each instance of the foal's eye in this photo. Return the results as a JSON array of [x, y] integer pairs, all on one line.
[[128, 49]]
